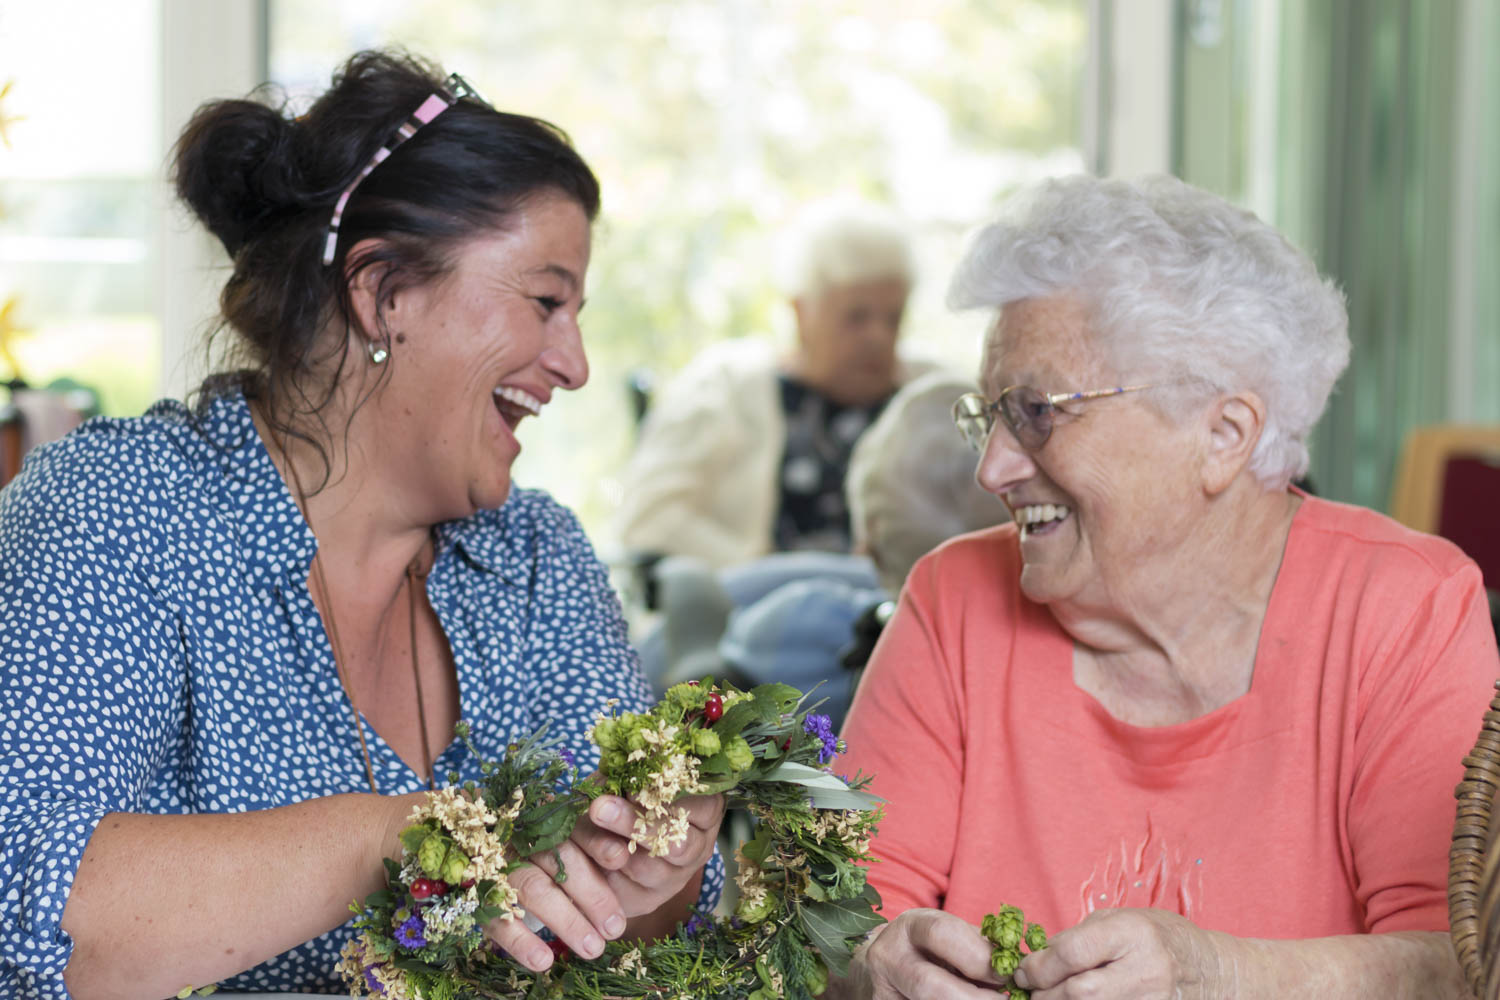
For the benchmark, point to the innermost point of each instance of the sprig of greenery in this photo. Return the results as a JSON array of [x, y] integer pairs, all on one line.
[[1007, 930], [804, 902]]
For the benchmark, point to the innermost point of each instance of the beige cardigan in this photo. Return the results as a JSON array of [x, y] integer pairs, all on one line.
[[702, 480]]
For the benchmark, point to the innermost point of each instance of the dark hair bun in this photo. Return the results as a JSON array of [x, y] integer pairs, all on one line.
[[234, 167]]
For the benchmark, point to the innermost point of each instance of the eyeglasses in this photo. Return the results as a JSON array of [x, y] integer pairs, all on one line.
[[1026, 411], [455, 89]]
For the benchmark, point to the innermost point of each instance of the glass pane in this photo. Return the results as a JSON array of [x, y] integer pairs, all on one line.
[[709, 124], [77, 178]]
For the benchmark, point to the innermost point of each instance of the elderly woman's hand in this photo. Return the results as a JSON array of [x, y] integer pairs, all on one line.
[[922, 955], [1136, 953], [643, 883]]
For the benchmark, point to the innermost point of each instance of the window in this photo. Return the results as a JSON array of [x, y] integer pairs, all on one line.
[[709, 123], [77, 189]]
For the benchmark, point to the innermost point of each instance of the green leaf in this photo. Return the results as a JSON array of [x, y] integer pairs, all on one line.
[[829, 926], [380, 898], [826, 791], [774, 700], [412, 836], [756, 848], [735, 718]]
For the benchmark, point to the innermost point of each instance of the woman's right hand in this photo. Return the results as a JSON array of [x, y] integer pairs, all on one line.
[[922, 955]]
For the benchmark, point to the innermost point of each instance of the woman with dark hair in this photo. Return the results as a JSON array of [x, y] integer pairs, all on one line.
[[235, 639]]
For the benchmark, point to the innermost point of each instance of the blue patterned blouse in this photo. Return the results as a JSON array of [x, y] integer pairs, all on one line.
[[160, 653]]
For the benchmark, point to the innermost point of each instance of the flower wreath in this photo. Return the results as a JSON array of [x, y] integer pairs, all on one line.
[[804, 903]]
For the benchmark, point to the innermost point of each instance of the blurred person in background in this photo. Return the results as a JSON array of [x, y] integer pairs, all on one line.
[[910, 487], [744, 452]]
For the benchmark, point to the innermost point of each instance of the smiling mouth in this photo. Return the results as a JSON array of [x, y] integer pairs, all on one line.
[[516, 404], [1039, 518]]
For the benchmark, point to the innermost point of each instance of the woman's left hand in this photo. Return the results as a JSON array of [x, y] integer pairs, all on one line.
[[643, 883], [1136, 953]]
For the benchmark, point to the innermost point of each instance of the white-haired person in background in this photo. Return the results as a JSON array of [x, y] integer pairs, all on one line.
[[1203, 727], [743, 453], [910, 487]]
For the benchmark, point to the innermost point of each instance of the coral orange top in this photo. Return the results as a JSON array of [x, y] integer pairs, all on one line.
[[1319, 803]]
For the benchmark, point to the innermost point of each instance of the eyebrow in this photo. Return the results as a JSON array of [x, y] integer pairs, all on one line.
[[558, 271]]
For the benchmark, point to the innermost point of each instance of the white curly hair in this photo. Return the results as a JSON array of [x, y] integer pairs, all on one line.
[[1179, 286], [844, 241]]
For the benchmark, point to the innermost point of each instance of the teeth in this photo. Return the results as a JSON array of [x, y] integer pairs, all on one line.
[[1040, 513], [522, 399]]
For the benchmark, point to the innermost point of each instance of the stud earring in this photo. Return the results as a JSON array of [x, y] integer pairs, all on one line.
[[378, 354]]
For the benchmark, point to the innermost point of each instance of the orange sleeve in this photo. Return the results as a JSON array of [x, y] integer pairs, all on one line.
[[1422, 696], [906, 728]]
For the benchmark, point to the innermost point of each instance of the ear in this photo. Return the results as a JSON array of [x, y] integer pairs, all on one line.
[[800, 309], [1233, 425], [369, 313]]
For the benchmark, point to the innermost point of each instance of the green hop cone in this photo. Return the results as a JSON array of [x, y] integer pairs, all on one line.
[[739, 755], [687, 695], [754, 913], [1004, 927], [1005, 961], [1016, 993], [607, 734], [1036, 938], [633, 738], [816, 979], [430, 855], [705, 742], [455, 863]]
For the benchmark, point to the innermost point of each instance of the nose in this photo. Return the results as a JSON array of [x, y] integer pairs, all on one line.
[[1003, 464], [564, 357]]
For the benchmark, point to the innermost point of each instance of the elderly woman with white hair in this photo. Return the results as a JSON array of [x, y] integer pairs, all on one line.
[[1202, 726], [744, 452]]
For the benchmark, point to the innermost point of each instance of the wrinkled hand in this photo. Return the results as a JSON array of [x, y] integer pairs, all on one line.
[[923, 955], [643, 883], [1136, 953]]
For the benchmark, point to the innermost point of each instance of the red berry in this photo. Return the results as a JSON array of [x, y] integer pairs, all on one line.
[[692, 684], [467, 883], [424, 888], [560, 952], [713, 708]]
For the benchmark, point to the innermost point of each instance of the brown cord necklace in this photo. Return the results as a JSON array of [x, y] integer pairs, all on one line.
[[412, 576]]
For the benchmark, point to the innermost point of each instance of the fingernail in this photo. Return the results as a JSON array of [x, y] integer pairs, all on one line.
[[614, 926], [593, 946], [609, 812], [541, 957], [1021, 979], [612, 853]]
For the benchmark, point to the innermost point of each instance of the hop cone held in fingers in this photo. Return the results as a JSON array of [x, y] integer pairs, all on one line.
[[1005, 961]]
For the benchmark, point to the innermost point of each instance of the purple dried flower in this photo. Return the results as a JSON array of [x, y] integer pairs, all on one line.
[[696, 923], [568, 757], [409, 934], [374, 985], [821, 726]]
